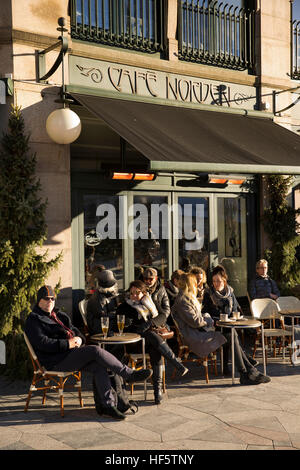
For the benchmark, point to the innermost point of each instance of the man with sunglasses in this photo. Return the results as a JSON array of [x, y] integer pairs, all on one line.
[[60, 346]]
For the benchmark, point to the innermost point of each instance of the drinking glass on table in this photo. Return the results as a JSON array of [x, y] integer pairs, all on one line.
[[121, 323], [105, 326]]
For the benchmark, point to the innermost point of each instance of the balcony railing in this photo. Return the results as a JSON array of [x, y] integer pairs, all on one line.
[[216, 34], [295, 50], [132, 24]]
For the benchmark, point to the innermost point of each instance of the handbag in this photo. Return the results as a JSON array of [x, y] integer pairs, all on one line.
[[163, 332]]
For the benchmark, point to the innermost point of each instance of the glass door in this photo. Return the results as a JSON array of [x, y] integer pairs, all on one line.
[[149, 230], [232, 240], [191, 231]]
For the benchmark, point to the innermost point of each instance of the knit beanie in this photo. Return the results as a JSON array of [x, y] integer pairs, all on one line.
[[44, 291]]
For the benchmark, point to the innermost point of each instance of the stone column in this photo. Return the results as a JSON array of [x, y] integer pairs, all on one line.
[[172, 43]]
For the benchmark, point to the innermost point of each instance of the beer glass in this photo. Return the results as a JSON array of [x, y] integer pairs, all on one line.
[[105, 326], [121, 323]]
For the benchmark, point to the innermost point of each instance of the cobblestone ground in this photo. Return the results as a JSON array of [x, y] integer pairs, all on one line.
[[193, 416]]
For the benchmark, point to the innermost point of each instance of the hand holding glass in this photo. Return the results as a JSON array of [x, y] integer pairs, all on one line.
[[104, 325], [121, 323]]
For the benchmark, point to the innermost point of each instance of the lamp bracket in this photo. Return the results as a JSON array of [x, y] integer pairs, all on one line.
[[63, 42]]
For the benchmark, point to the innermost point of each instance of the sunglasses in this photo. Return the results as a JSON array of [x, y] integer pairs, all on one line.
[[49, 298]]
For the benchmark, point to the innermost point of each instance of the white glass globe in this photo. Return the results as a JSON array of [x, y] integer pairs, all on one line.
[[63, 126]]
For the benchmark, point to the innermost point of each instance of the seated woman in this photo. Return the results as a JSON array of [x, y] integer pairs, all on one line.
[[220, 298], [192, 324], [140, 308], [201, 282]]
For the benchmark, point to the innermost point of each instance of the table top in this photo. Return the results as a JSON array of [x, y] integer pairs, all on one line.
[[116, 339], [246, 322]]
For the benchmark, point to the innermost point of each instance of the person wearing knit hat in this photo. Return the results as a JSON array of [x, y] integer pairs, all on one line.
[[60, 346], [104, 302]]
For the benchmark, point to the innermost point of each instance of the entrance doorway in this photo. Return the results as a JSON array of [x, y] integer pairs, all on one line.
[[131, 230]]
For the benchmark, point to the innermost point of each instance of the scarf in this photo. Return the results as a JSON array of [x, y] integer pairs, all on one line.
[[222, 300], [145, 307], [69, 333]]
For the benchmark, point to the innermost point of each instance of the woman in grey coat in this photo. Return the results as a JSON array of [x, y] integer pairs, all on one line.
[[197, 329]]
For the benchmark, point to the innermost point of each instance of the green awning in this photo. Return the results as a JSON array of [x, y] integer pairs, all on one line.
[[178, 138]]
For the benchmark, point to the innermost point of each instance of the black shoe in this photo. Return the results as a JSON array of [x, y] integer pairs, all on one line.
[[139, 376], [249, 379], [112, 412], [252, 361], [158, 399]]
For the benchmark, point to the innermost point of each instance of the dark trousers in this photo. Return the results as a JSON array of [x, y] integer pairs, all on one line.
[[152, 343], [95, 360], [241, 361]]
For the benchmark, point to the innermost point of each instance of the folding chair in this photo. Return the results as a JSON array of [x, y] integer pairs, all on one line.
[[50, 377]]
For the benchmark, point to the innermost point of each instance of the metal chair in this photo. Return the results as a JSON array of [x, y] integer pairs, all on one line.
[[267, 310], [50, 377], [184, 355], [289, 303]]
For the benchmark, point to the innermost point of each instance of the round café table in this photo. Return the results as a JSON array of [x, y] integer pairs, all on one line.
[[242, 323], [124, 338]]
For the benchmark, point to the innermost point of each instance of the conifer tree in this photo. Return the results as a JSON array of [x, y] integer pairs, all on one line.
[[23, 266], [280, 222]]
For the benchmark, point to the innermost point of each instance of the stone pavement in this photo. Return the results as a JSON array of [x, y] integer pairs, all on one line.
[[193, 416]]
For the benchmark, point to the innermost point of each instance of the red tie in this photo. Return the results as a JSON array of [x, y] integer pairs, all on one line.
[[69, 332]]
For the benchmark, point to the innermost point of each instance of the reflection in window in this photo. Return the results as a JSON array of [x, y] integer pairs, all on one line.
[[193, 233], [102, 237], [150, 232]]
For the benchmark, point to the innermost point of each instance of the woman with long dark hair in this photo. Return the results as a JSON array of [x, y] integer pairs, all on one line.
[[220, 298], [140, 309]]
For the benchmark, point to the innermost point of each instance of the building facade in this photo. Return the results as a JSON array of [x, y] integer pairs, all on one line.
[[189, 101]]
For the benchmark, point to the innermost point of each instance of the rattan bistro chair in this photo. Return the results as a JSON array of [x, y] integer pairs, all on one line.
[[53, 380], [184, 354]]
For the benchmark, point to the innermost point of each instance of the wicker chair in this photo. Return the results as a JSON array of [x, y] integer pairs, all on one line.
[[53, 380]]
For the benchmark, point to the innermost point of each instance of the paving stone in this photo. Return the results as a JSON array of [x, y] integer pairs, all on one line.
[[90, 438]]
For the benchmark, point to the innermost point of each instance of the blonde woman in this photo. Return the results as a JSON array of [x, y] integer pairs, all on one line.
[[201, 281], [196, 329]]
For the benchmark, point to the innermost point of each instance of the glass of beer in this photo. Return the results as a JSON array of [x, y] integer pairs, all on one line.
[[121, 323], [105, 326]]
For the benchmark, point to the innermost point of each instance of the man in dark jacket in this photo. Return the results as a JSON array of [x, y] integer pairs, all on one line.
[[104, 302], [59, 346], [263, 286], [161, 300], [158, 294]]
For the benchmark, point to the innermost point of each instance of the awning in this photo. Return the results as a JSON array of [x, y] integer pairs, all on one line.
[[177, 138]]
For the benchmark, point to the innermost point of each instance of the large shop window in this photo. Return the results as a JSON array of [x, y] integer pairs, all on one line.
[[193, 231], [102, 236], [150, 234], [232, 241]]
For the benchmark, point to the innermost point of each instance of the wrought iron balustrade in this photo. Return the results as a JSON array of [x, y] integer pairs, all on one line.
[[132, 24], [216, 34], [295, 50]]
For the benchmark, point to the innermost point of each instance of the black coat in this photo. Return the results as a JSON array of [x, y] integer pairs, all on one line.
[[101, 304], [161, 301], [48, 338]]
